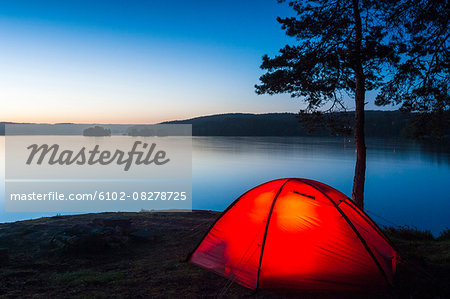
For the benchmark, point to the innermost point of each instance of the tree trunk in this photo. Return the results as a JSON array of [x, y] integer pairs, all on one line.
[[360, 144]]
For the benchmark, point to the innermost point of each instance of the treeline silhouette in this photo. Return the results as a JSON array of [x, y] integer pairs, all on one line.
[[389, 124]]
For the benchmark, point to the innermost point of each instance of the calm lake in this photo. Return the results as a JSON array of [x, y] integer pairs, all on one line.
[[407, 183]]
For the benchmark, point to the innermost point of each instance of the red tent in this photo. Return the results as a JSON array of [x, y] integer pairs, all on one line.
[[297, 234]]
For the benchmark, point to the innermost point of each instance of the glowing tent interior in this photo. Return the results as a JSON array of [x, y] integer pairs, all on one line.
[[297, 234]]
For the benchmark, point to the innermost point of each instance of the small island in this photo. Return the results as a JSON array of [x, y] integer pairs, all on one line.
[[96, 131]]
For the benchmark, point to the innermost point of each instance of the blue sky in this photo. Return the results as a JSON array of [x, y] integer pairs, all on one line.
[[136, 61]]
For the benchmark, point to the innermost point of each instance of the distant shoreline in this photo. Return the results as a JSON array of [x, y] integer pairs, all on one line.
[[381, 124]]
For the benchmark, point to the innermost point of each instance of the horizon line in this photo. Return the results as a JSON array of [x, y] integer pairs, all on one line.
[[172, 120]]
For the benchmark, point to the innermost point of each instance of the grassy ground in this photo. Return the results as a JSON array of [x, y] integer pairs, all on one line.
[[141, 255]]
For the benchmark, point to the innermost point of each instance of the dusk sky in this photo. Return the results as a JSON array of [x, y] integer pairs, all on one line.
[[136, 61]]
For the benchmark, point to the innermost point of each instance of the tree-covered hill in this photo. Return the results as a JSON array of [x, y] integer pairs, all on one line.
[[378, 124]]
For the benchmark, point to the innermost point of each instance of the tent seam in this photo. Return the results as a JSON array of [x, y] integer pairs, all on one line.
[[373, 225], [267, 227]]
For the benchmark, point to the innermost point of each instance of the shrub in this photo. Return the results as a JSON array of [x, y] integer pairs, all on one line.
[[445, 235], [409, 233]]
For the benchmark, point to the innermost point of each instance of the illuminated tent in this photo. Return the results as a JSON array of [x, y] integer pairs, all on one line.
[[297, 234]]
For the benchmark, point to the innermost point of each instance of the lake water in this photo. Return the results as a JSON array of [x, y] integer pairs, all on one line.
[[407, 183]]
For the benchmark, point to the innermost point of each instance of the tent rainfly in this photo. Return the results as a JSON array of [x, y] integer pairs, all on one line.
[[297, 234]]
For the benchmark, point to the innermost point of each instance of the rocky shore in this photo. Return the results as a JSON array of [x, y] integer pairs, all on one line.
[[142, 255]]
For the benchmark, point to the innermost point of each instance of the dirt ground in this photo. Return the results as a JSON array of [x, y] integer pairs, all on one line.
[[142, 255]]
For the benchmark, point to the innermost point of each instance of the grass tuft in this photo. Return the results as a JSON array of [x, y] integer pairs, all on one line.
[[445, 235], [409, 233]]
